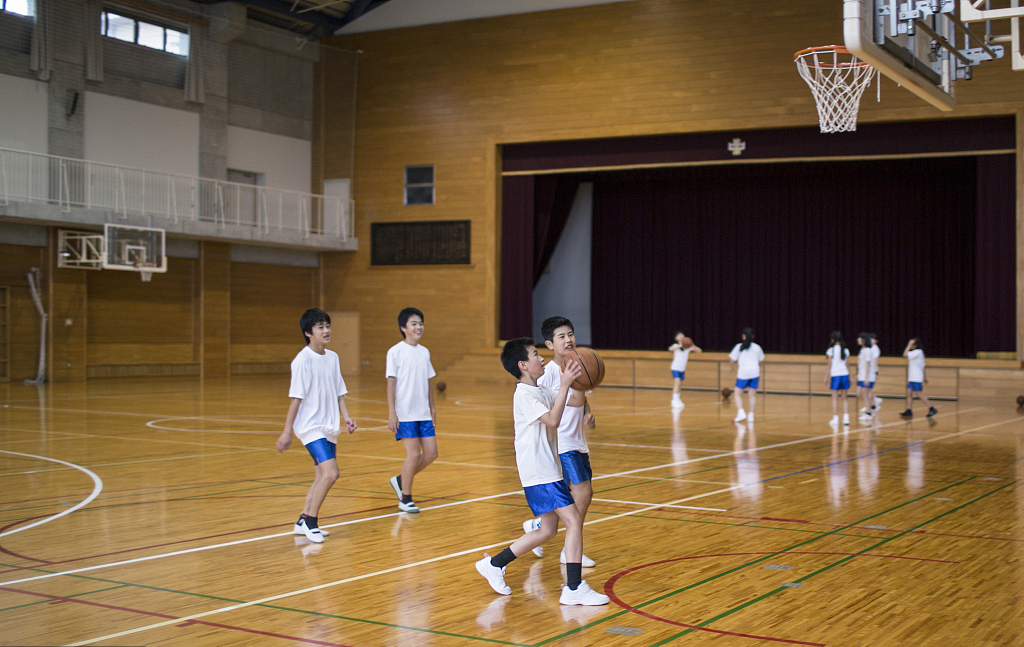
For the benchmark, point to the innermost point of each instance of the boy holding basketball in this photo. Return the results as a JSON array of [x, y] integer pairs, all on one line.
[[537, 411], [573, 452], [411, 411], [680, 356], [318, 396]]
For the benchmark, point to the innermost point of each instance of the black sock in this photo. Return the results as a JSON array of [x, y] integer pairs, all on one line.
[[574, 574], [399, 477], [406, 498], [311, 522], [504, 558]]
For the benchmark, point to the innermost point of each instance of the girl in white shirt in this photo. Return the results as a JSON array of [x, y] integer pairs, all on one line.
[[838, 379], [915, 377], [746, 356]]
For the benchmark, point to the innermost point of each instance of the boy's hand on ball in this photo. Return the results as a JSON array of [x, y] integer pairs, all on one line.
[[570, 371]]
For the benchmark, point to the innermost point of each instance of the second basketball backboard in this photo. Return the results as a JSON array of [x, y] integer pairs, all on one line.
[[920, 44]]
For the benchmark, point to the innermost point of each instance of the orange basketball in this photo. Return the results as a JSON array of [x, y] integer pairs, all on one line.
[[593, 369], [686, 343]]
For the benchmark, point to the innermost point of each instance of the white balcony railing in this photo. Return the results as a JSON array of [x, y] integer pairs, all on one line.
[[68, 182]]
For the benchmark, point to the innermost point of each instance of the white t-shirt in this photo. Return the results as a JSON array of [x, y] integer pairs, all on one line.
[[837, 366], [749, 361], [915, 367], [679, 358], [876, 353], [864, 359], [536, 443], [410, 366], [317, 381], [571, 437]]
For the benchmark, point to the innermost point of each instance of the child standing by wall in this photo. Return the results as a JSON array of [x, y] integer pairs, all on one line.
[[411, 411], [537, 411], [838, 376], [680, 356], [746, 356], [916, 377], [318, 396]]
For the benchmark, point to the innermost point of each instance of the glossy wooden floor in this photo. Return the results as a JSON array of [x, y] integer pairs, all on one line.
[[705, 532]]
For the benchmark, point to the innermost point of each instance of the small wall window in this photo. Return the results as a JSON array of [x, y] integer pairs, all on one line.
[[20, 7], [419, 184], [141, 32]]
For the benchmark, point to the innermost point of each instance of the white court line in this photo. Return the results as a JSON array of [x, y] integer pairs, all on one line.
[[685, 507], [436, 507], [590, 442], [450, 555], [139, 462], [96, 489]]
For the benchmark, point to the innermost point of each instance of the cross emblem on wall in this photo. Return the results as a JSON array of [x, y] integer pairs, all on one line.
[[737, 146]]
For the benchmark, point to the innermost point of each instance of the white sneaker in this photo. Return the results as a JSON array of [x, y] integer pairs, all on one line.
[[677, 404], [583, 595], [863, 410], [750, 417], [299, 531], [834, 420], [740, 415], [586, 561], [315, 535], [495, 576], [878, 403], [410, 507], [846, 418], [396, 487], [529, 526]]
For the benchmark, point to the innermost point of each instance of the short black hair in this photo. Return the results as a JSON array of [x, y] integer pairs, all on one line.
[[515, 351], [551, 324], [403, 318], [310, 318]]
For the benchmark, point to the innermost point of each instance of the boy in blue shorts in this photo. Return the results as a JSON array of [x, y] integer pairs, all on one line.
[[411, 412], [318, 396], [537, 411], [573, 452]]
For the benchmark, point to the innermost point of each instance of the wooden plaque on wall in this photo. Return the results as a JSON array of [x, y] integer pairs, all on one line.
[[437, 242]]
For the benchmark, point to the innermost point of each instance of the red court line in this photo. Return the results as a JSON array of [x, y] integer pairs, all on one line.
[[172, 543], [57, 598], [14, 554], [609, 589]]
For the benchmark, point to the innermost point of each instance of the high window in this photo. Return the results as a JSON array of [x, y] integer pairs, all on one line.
[[20, 7], [419, 184], [141, 32]]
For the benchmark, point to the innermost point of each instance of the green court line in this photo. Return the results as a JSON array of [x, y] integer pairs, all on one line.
[[756, 561], [830, 566]]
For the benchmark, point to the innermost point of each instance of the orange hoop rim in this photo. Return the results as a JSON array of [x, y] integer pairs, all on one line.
[[836, 49]]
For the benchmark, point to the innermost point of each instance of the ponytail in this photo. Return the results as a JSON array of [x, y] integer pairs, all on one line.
[[748, 338]]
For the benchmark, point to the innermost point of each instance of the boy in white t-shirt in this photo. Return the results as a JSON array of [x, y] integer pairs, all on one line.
[[746, 356], [573, 452], [867, 369], [915, 377], [411, 411], [680, 357], [537, 410], [318, 396], [838, 379]]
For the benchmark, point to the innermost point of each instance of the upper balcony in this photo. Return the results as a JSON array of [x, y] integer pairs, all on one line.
[[73, 192]]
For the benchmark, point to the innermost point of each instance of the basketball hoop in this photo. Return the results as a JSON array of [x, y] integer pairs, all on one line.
[[837, 80], [145, 270]]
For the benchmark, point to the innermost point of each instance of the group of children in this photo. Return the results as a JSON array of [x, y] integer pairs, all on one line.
[[746, 358], [551, 446]]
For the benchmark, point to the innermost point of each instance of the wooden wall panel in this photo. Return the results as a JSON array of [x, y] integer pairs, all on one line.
[[215, 308], [266, 303], [67, 321], [124, 309], [451, 94], [15, 262]]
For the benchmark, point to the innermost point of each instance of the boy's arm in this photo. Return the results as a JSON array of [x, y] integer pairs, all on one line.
[[674, 346], [392, 412], [433, 410], [588, 418], [697, 349], [350, 424], [284, 441], [570, 371], [907, 349]]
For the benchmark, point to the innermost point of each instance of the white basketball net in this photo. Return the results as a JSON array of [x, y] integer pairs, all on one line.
[[837, 80]]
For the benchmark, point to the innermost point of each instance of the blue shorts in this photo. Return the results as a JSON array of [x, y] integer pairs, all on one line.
[[748, 384], [575, 467], [840, 383], [679, 375], [867, 385], [913, 386], [415, 429], [546, 497], [322, 450]]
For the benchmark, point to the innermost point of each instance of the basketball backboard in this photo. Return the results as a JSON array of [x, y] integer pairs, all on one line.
[[914, 43], [134, 249]]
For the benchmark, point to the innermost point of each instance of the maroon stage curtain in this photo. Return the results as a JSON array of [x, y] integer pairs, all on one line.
[[798, 250]]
